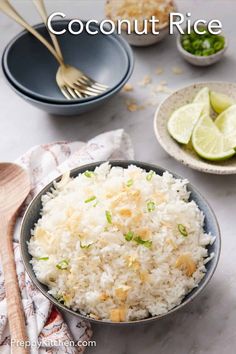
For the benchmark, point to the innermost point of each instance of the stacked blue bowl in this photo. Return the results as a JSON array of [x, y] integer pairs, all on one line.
[[30, 69]]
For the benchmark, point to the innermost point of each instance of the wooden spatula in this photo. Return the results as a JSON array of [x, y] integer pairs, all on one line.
[[14, 188]]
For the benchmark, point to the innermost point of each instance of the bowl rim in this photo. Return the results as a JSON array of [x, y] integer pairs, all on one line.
[[194, 166], [120, 42], [199, 57], [147, 166]]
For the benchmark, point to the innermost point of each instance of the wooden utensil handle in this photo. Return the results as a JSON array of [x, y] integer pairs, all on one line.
[[10, 11], [15, 312]]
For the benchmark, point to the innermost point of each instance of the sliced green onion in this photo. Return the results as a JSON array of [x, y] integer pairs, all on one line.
[[108, 216], [207, 52], [85, 246], [198, 53], [202, 44], [43, 259], [63, 265], [129, 183], [151, 206], [60, 298], [89, 174], [129, 236], [182, 230], [186, 43], [140, 241], [90, 199], [197, 44], [150, 175], [218, 46]]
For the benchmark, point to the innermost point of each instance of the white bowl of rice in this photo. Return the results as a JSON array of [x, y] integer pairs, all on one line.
[[120, 242]]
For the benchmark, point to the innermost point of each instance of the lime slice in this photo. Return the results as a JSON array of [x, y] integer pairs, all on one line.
[[220, 102], [226, 123], [183, 120], [203, 98], [208, 141]]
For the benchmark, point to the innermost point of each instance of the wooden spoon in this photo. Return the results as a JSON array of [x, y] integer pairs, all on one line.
[[14, 188]]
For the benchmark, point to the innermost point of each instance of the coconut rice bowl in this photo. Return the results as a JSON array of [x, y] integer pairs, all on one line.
[[120, 242]]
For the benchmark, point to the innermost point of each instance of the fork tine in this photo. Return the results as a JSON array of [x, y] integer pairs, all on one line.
[[93, 82], [104, 87], [100, 88], [71, 92], [88, 88], [86, 92], [65, 93], [78, 93], [84, 80]]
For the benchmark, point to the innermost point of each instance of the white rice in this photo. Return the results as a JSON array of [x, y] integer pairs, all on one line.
[[111, 278]]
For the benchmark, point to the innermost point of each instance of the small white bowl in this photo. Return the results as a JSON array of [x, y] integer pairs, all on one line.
[[198, 60]]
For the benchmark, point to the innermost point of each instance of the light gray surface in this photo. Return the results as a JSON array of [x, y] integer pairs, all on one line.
[[208, 325]]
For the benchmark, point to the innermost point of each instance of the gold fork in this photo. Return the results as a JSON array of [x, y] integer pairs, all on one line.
[[72, 82], [74, 78]]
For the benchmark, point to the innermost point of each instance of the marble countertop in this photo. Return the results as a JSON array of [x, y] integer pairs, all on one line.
[[207, 326]]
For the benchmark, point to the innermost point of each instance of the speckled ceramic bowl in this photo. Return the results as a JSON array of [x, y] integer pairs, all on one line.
[[188, 156], [198, 60], [211, 226]]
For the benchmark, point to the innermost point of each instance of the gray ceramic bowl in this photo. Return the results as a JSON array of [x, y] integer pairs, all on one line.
[[32, 69], [33, 213], [71, 109]]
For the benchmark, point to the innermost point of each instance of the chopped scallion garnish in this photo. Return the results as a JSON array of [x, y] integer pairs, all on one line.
[[90, 199], [202, 44], [89, 174], [43, 259], [85, 246], [150, 175], [60, 298], [182, 230], [63, 265], [140, 241], [129, 183], [151, 206], [108, 216], [129, 236]]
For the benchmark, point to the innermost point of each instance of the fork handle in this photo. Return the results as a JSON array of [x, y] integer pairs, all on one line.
[[10, 11], [40, 5]]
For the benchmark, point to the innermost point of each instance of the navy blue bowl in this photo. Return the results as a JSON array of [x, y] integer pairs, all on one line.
[[32, 68], [211, 226]]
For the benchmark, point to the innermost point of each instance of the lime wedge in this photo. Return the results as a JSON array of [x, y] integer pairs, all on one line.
[[226, 123], [203, 98], [208, 142], [183, 120], [220, 102]]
